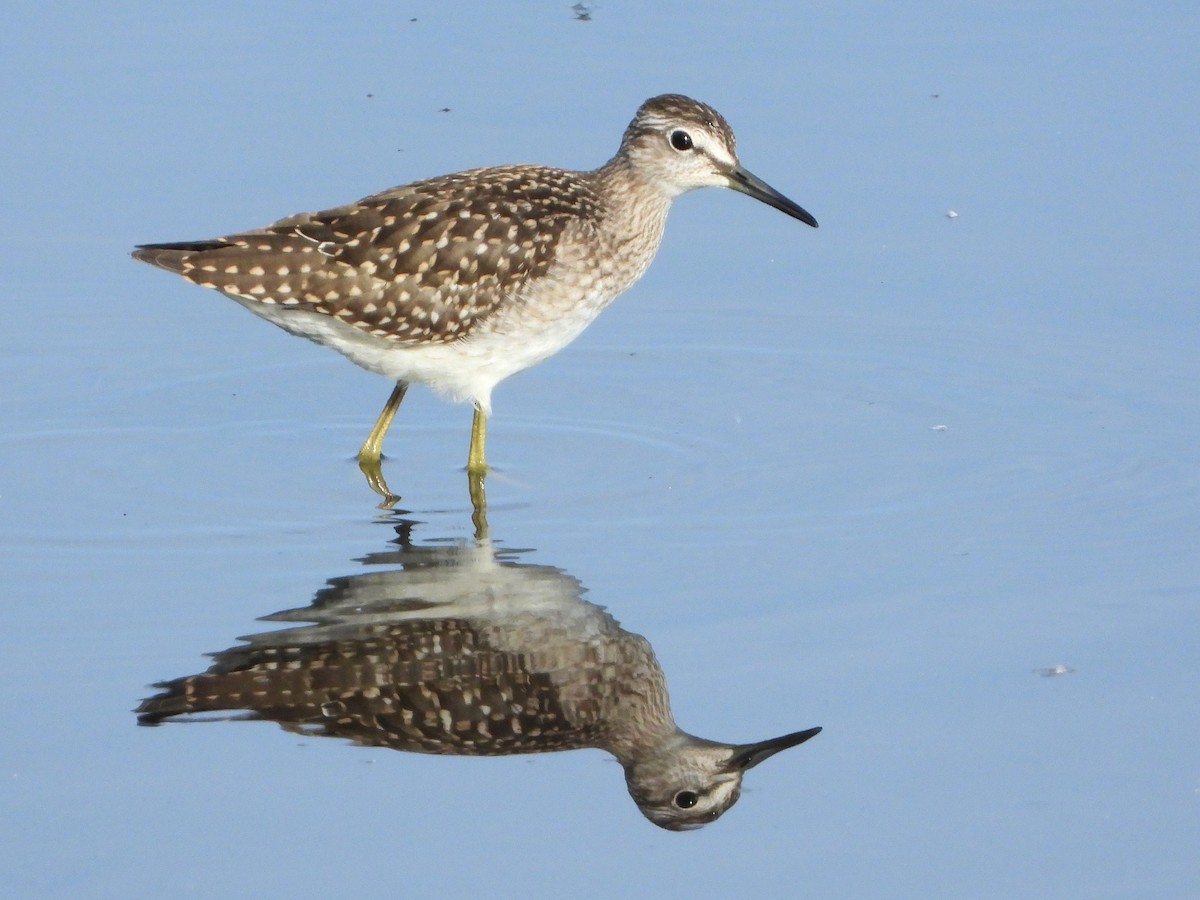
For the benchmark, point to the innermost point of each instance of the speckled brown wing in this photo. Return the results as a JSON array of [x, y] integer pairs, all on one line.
[[430, 686], [421, 263]]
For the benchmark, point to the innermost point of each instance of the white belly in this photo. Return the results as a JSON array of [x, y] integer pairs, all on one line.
[[528, 331]]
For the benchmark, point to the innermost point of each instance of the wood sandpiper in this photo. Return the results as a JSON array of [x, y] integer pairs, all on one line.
[[459, 281]]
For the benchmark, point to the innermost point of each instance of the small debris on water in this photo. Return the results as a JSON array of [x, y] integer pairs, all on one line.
[[1054, 671]]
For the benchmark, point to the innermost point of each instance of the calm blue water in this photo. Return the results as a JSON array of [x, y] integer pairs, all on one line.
[[872, 477]]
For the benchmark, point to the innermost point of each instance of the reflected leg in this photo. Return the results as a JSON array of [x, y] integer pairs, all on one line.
[[478, 505]]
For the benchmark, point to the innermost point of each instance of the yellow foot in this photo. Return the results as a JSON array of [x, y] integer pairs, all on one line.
[[373, 471]]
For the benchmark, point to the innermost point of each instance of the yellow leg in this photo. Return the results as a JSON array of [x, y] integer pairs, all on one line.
[[476, 472], [476, 464], [372, 450]]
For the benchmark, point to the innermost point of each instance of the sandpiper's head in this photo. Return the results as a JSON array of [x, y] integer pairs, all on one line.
[[689, 782], [680, 144]]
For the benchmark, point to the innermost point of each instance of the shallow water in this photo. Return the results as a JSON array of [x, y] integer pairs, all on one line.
[[875, 477]]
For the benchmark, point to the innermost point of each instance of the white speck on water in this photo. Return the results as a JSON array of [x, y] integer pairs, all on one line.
[[1054, 671]]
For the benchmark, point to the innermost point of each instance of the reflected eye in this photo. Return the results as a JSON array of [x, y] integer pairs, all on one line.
[[685, 799], [681, 140]]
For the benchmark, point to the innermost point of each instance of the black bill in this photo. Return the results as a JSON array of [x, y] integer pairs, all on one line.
[[742, 181]]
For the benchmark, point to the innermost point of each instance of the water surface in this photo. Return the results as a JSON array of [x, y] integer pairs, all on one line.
[[875, 477]]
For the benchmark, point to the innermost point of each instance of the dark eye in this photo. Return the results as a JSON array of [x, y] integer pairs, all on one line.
[[681, 140], [685, 799]]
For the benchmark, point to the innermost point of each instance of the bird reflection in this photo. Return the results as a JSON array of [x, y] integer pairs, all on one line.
[[461, 648]]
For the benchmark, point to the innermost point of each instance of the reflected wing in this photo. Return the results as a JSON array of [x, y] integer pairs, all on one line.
[[430, 686]]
